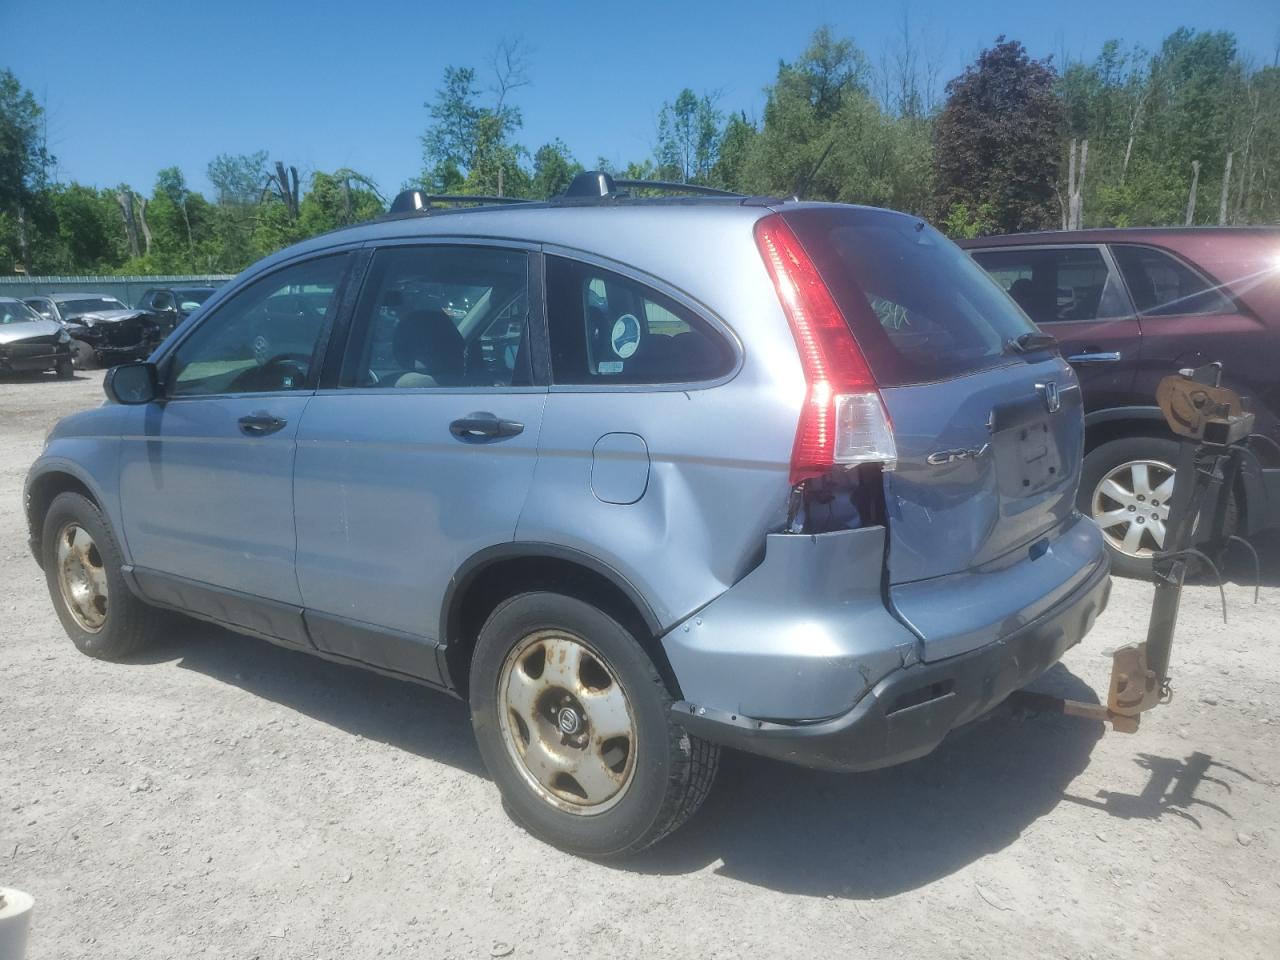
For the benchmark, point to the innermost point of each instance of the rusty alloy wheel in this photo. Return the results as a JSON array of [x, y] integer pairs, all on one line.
[[82, 578], [567, 722]]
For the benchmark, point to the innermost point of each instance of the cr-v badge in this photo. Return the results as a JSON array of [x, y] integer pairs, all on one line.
[[954, 456]]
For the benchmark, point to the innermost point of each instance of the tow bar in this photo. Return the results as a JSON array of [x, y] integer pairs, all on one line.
[[1214, 427]]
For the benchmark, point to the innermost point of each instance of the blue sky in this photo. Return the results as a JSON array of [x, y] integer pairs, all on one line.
[[132, 87]]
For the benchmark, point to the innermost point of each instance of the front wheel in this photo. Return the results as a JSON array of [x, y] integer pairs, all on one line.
[[82, 355], [575, 727], [82, 568]]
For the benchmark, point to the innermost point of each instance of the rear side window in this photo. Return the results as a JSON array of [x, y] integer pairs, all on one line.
[[1057, 285], [920, 307], [609, 329], [1164, 286]]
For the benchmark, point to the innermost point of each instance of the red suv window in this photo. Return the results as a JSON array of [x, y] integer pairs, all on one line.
[[1163, 286]]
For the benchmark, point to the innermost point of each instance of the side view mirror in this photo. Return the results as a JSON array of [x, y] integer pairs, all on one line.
[[132, 383]]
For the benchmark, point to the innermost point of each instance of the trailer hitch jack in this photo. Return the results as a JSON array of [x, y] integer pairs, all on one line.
[[1214, 428]]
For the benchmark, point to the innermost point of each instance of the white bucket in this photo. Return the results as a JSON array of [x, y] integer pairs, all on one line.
[[15, 920]]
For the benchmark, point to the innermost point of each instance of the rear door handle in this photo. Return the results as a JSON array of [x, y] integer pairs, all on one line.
[[484, 427], [1104, 357], [260, 424]]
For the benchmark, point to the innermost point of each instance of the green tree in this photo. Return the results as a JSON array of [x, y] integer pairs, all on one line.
[[238, 178], [469, 147], [553, 169], [450, 140], [243, 221], [688, 137], [338, 199], [24, 163], [825, 137], [90, 230], [997, 140], [735, 146]]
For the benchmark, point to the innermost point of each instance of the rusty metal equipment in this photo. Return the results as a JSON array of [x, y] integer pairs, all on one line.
[[1213, 426]]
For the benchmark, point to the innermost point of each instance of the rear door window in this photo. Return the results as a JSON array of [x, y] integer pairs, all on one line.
[[1163, 286], [442, 316], [609, 329], [1057, 285], [920, 307]]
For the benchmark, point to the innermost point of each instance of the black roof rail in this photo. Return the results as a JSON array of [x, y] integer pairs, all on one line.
[[679, 188], [600, 185], [407, 201]]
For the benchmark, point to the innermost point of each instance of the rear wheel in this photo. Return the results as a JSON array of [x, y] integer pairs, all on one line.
[[575, 726], [82, 568], [1126, 486]]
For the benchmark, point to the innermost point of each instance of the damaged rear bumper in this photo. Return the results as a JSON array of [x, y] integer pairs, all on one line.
[[909, 711]]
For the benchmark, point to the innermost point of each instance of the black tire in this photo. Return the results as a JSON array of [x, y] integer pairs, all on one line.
[[129, 624], [672, 771], [1109, 456], [64, 369], [82, 355]]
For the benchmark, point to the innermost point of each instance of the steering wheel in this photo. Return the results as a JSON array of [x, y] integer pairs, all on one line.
[[271, 374]]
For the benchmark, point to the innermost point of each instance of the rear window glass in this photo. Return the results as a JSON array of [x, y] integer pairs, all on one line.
[[920, 308], [1163, 286], [1057, 285], [609, 329]]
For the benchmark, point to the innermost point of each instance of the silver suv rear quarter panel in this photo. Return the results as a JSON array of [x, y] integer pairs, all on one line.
[[718, 453]]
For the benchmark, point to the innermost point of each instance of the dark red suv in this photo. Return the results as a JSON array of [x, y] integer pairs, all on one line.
[[1129, 306]]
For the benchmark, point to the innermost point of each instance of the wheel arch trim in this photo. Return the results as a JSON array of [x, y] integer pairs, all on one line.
[[478, 562], [47, 471], [1113, 414]]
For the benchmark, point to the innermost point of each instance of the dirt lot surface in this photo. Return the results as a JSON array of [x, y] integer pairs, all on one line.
[[223, 797]]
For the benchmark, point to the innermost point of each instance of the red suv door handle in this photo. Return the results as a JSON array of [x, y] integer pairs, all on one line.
[[1112, 356]]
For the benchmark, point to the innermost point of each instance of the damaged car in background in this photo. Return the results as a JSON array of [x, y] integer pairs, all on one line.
[[104, 331], [31, 344]]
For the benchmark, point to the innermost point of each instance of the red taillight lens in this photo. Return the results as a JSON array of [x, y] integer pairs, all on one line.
[[843, 420]]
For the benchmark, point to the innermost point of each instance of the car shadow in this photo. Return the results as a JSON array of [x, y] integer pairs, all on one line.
[[1239, 567], [811, 833], [47, 376], [765, 823], [405, 715]]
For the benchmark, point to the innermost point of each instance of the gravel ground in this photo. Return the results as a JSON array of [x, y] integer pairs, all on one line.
[[224, 797]]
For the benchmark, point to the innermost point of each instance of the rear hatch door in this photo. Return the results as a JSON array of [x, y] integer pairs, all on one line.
[[987, 419]]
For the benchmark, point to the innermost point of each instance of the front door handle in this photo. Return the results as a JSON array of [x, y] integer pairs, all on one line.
[[484, 427], [1100, 357], [260, 424]]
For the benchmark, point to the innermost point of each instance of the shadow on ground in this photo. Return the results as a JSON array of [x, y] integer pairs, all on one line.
[[800, 831], [771, 824], [405, 715]]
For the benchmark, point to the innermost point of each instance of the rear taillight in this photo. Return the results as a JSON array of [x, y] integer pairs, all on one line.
[[843, 420]]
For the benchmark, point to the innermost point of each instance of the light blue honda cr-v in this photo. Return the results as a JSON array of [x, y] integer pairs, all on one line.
[[639, 478]]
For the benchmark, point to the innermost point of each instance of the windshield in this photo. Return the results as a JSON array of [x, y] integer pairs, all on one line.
[[13, 311], [74, 308], [921, 309]]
